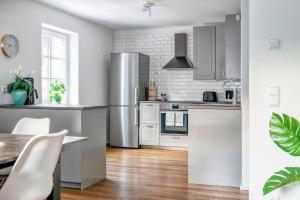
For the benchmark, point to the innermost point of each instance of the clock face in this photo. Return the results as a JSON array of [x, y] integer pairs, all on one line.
[[9, 45]]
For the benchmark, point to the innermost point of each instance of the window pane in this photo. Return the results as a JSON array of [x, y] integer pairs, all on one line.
[[45, 45], [58, 69], [58, 47], [45, 67], [45, 89]]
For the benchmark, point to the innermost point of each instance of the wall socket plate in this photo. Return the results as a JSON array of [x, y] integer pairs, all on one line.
[[274, 44]]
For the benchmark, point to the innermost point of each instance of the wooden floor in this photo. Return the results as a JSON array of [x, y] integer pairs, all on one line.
[[150, 174]]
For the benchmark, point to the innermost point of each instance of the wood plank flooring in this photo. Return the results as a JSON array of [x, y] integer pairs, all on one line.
[[149, 174]]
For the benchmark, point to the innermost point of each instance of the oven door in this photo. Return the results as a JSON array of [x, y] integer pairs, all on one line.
[[177, 130]]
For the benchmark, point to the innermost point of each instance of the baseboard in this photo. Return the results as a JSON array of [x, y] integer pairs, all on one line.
[[244, 187], [164, 148]]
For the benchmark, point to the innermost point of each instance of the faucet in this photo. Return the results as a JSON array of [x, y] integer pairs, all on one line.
[[234, 98]]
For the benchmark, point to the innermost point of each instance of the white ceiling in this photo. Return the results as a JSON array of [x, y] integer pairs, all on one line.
[[125, 14]]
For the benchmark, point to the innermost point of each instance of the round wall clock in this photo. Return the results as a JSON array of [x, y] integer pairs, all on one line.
[[9, 45]]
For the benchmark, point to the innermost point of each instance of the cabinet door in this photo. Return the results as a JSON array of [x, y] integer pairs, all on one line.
[[149, 113], [233, 47], [205, 53], [149, 134], [220, 52]]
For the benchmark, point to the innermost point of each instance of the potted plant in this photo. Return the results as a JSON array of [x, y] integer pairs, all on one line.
[[57, 90], [19, 88], [285, 132]]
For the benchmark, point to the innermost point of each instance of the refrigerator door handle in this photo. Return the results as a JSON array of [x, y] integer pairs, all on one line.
[[136, 116], [136, 96]]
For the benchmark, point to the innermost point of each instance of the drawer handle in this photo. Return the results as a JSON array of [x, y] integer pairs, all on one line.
[[176, 137], [149, 105], [149, 126]]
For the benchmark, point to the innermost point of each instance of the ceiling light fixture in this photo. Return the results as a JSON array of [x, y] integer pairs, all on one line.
[[148, 4]]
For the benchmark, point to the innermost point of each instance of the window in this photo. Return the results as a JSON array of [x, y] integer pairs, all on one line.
[[55, 61]]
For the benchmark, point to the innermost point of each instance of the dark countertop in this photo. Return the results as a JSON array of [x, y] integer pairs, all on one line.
[[203, 105], [51, 107]]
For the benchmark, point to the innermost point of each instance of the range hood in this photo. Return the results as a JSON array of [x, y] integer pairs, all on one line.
[[180, 61]]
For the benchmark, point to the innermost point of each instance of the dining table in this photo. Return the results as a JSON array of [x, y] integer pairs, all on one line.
[[13, 146]]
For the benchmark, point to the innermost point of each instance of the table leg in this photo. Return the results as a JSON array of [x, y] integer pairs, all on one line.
[[55, 193]]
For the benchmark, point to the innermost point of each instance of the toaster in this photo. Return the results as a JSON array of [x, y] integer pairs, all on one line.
[[209, 96]]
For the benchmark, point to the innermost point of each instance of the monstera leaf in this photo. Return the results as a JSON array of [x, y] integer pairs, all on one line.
[[285, 132], [282, 178]]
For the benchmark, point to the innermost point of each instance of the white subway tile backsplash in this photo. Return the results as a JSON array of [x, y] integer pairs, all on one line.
[[159, 45]]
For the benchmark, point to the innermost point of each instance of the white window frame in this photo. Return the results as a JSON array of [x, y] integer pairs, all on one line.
[[54, 33]]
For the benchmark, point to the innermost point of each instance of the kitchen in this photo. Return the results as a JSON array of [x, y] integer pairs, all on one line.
[[182, 95], [168, 105]]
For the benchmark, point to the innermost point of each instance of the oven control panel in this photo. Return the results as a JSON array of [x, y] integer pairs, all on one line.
[[174, 106]]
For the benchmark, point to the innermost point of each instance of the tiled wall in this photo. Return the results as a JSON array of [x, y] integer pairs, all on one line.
[[159, 44]]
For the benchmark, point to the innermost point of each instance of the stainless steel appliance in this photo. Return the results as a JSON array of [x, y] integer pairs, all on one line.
[[176, 107], [210, 96], [180, 61], [129, 79]]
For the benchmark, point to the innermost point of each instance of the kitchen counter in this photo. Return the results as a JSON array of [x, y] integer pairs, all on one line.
[[83, 164], [51, 107], [202, 105], [214, 156]]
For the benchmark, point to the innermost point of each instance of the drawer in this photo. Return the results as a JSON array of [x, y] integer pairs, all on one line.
[[149, 113], [149, 134], [174, 140]]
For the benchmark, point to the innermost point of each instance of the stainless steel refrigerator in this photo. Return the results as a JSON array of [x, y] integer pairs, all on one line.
[[129, 79]]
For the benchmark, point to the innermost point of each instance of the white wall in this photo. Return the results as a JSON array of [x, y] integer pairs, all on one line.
[[24, 19], [245, 94], [158, 43], [269, 19]]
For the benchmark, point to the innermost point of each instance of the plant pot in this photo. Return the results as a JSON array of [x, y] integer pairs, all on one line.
[[19, 97]]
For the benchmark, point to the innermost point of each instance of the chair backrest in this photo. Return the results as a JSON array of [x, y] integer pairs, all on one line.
[[31, 126], [31, 176], [2, 145]]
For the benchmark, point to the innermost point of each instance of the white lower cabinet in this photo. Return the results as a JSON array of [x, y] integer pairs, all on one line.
[[149, 134], [174, 140]]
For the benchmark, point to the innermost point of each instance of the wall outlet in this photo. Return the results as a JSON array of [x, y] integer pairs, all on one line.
[[4, 89], [274, 44]]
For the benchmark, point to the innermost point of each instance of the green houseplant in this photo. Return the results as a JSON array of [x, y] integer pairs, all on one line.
[[57, 90], [285, 132], [19, 88]]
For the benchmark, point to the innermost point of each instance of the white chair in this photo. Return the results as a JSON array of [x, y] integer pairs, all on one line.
[[28, 126], [31, 176], [32, 126]]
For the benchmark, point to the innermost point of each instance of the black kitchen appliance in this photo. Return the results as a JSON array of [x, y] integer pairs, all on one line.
[[209, 96], [33, 94]]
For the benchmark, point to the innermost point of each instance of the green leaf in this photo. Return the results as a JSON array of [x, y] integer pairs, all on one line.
[[285, 132], [282, 178]]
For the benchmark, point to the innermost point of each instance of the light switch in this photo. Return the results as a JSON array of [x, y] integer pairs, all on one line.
[[274, 91], [274, 44], [274, 101], [274, 96]]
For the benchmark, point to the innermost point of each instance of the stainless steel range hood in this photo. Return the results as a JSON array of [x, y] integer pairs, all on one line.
[[180, 61]]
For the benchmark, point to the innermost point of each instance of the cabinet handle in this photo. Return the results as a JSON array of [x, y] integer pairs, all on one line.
[[176, 137], [136, 96], [136, 116], [149, 126]]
